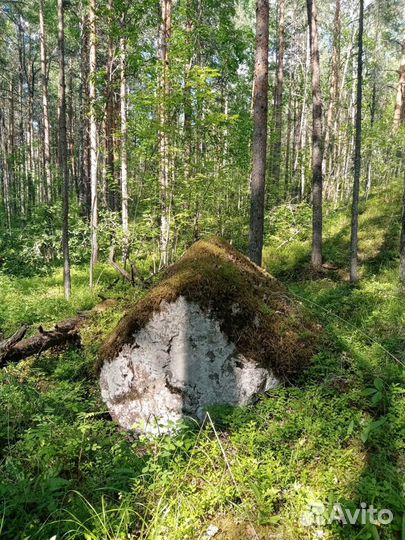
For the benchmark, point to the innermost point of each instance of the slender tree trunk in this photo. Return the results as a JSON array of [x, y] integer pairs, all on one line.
[[93, 141], [45, 113], [300, 134], [260, 106], [400, 97], [30, 132], [11, 146], [295, 146], [373, 111], [22, 162], [63, 150], [187, 99], [124, 156], [357, 152], [278, 99], [110, 117], [164, 160], [402, 244], [4, 138], [316, 257], [341, 145], [334, 88], [84, 168], [71, 123], [288, 145]]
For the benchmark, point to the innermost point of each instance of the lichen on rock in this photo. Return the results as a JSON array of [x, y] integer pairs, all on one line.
[[216, 330]]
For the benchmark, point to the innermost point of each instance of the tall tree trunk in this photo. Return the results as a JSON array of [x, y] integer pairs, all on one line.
[[71, 122], [124, 156], [45, 113], [334, 87], [93, 140], [5, 176], [400, 97], [63, 150], [402, 245], [373, 110], [278, 99], [83, 168], [288, 143], [22, 161], [260, 106], [30, 132], [11, 145], [316, 256], [187, 98], [164, 160], [110, 116], [357, 151], [300, 133]]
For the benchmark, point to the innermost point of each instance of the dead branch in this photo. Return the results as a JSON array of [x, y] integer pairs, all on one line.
[[15, 348], [6, 344]]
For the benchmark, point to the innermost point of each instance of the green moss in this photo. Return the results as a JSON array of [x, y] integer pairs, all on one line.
[[253, 308]]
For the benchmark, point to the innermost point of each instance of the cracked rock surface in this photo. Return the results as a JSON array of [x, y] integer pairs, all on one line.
[[179, 363]]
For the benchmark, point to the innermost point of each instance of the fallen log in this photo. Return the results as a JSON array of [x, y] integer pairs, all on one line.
[[15, 338], [16, 348]]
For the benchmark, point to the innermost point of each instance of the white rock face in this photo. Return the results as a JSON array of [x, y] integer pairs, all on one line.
[[176, 366]]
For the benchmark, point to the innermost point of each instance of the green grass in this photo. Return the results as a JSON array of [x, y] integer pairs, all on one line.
[[337, 436], [40, 299]]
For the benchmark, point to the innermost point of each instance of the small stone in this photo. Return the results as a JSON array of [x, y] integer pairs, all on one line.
[[211, 531]]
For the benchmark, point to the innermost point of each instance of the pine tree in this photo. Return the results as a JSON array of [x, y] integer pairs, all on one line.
[[260, 105]]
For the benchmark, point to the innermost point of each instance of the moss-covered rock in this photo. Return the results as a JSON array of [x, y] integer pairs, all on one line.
[[215, 329], [254, 309]]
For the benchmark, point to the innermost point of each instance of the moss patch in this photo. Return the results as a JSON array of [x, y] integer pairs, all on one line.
[[254, 309]]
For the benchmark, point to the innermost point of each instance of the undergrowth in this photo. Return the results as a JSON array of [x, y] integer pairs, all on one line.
[[338, 435]]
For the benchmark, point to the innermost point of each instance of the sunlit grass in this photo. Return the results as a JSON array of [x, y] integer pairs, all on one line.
[[40, 299]]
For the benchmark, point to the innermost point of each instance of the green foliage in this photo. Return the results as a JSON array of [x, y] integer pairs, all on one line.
[[39, 299], [34, 248]]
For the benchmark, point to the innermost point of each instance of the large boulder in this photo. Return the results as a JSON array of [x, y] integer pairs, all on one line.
[[216, 330]]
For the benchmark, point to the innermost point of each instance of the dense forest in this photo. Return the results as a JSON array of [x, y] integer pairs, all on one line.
[[128, 132]]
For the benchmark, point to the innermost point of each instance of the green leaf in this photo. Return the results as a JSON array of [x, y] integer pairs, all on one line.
[[369, 391], [376, 398], [365, 433], [379, 384]]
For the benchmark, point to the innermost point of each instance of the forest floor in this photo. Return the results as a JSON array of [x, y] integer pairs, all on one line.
[[337, 436]]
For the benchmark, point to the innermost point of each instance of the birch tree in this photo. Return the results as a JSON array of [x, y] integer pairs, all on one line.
[[93, 140], [278, 98], [45, 108], [164, 159], [124, 155]]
